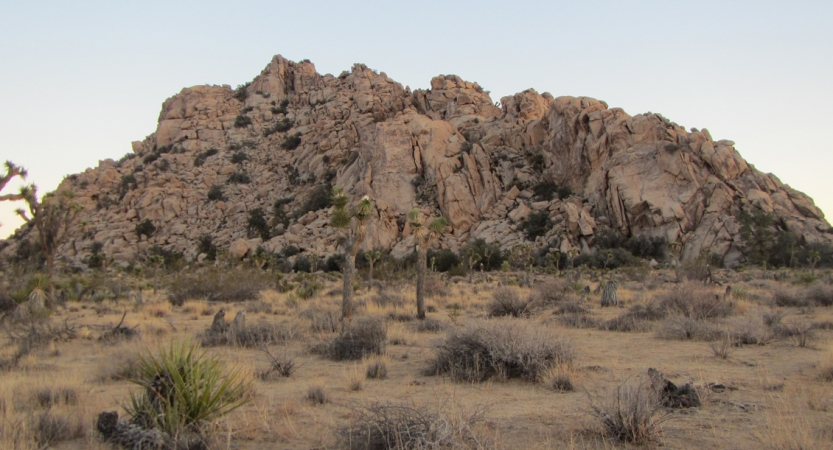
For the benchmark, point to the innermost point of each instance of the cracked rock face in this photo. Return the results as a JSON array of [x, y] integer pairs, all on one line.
[[448, 150]]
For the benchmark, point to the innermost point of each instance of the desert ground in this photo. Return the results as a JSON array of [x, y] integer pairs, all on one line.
[[757, 354]]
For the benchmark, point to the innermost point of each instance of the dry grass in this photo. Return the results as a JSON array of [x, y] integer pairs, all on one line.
[[783, 393]]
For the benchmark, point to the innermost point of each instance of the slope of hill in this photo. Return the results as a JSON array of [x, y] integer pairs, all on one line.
[[220, 157]]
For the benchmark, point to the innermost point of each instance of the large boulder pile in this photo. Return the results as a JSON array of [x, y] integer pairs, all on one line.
[[448, 150]]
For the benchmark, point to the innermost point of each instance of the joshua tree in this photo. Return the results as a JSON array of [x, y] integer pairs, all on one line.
[[472, 258], [371, 256], [11, 171], [423, 237], [52, 216], [353, 223]]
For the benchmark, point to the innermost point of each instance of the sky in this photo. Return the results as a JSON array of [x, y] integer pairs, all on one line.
[[80, 80]]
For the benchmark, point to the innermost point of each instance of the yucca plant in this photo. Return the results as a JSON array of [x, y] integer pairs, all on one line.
[[183, 390]]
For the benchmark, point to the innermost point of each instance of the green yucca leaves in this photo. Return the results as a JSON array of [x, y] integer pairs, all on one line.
[[184, 389]]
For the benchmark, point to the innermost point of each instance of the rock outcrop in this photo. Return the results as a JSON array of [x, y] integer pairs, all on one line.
[[218, 154]]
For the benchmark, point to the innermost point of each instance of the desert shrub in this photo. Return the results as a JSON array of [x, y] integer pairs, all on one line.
[[280, 109], [696, 302], [578, 320], [182, 390], [507, 301], [570, 308], [385, 299], [443, 260], [499, 349], [317, 395], [241, 92], [326, 321], [279, 127], [551, 292], [491, 255], [800, 332], [146, 228], [242, 121], [633, 414], [537, 224], [820, 295], [826, 373], [257, 225], [751, 329], [291, 142], [307, 263], [49, 397], [50, 427], [250, 336], [790, 297], [239, 157], [560, 382], [640, 246], [215, 193], [239, 178], [680, 327], [199, 160], [365, 336], [608, 259], [318, 200], [429, 325], [637, 319], [205, 244], [281, 365], [214, 285], [377, 370], [383, 426]]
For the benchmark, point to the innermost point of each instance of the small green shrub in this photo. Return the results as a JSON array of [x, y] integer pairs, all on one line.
[[239, 157], [279, 127], [242, 121], [239, 178], [241, 93], [537, 224], [145, 228], [215, 193], [213, 284], [291, 142]]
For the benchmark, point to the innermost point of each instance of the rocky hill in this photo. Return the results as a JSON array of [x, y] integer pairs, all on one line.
[[220, 153]]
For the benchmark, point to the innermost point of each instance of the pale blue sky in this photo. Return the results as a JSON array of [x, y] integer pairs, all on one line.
[[81, 80]]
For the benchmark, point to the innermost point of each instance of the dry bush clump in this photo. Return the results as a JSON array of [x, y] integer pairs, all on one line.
[[280, 365], [680, 327], [579, 320], [429, 325], [317, 395], [377, 370], [787, 297], [826, 373], [799, 331], [322, 321], [435, 287], [633, 414], [551, 292], [639, 318], [251, 336], [33, 335], [365, 336], [385, 299], [258, 307], [570, 308], [51, 427], [217, 285], [507, 301], [500, 349], [694, 301], [48, 397], [755, 328], [384, 426]]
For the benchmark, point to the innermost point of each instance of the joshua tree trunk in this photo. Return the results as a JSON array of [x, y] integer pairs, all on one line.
[[370, 275], [422, 267], [349, 275]]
